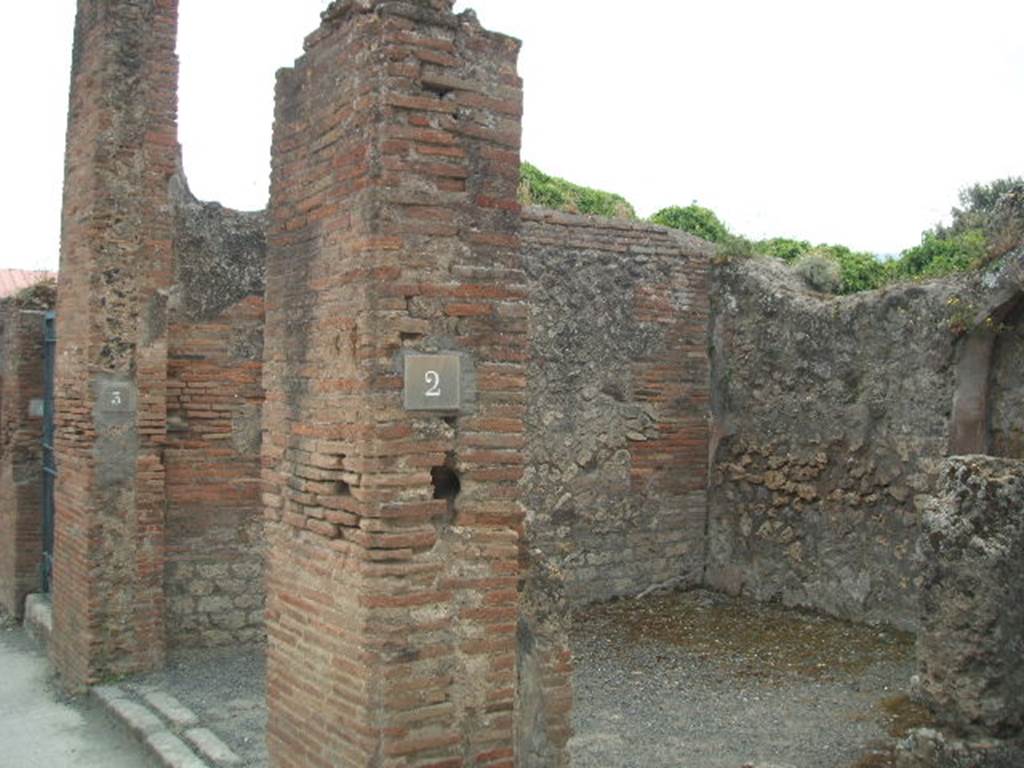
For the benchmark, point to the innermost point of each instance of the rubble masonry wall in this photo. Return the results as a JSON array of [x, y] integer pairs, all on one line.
[[832, 425], [618, 409]]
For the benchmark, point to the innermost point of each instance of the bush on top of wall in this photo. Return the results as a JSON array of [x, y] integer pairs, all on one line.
[[537, 188]]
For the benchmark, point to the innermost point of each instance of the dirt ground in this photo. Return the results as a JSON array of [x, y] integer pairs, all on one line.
[[701, 680], [684, 680]]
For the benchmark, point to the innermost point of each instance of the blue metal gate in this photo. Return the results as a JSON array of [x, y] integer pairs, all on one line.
[[49, 459]]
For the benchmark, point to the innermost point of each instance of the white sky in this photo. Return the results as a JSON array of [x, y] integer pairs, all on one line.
[[847, 122]]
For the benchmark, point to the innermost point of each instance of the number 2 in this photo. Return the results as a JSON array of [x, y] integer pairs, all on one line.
[[433, 379]]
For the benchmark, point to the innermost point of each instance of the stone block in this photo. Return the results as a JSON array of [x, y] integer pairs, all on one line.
[[970, 645]]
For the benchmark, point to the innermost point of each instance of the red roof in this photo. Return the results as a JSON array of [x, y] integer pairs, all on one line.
[[14, 280]]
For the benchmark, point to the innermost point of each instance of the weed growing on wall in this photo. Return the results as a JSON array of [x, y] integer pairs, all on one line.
[[694, 219], [963, 318], [820, 272], [538, 188]]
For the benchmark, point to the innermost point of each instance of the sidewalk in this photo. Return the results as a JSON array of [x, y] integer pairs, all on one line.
[[40, 728]]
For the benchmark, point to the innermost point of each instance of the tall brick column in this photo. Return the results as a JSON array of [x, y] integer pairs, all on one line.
[[394, 535], [115, 266]]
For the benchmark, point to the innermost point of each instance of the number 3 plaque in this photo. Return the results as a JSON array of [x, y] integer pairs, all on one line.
[[433, 382]]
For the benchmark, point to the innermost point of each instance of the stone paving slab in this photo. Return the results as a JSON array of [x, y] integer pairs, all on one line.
[[224, 688], [42, 728], [174, 734], [210, 745], [136, 717], [170, 708], [173, 752]]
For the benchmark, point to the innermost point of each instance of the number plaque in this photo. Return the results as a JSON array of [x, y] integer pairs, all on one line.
[[116, 398], [433, 382]]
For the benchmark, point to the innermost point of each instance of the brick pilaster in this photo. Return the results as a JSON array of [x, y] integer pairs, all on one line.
[[394, 229], [115, 268]]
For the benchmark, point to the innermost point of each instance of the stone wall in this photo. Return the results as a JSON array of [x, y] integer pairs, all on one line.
[[617, 416], [1007, 393], [972, 617], [21, 434], [544, 693], [214, 530], [832, 421]]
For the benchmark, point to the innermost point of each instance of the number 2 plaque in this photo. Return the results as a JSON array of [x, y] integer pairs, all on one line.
[[433, 382]]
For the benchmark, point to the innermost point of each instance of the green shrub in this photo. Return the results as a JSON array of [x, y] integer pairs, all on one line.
[[988, 223], [694, 219], [537, 188], [859, 270], [1004, 231], [820, 271], [863, 271], [981, 206], [734, 247], [939, 255], [783, 248]]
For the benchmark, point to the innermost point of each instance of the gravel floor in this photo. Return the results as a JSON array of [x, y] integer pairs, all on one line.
[[698, 680], [226, 688], [687, 680]]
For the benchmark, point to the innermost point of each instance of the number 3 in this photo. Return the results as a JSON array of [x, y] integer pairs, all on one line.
[[433, 384]]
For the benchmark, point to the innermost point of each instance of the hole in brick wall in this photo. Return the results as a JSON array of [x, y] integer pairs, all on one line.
[[446, 480], [438, 89], [344, 489], [450, 420]]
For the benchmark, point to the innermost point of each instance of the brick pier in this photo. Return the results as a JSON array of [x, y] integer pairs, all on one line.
[[394, 535], [115, 269]]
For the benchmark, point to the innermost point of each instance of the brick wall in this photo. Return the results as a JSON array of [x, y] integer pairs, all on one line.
[[115, 267], [214, 525], [617, 416], [21, 434], [394, 228]]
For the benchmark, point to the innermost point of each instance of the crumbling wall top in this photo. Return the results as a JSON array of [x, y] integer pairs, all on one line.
[[436, 13], [341, 8]]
